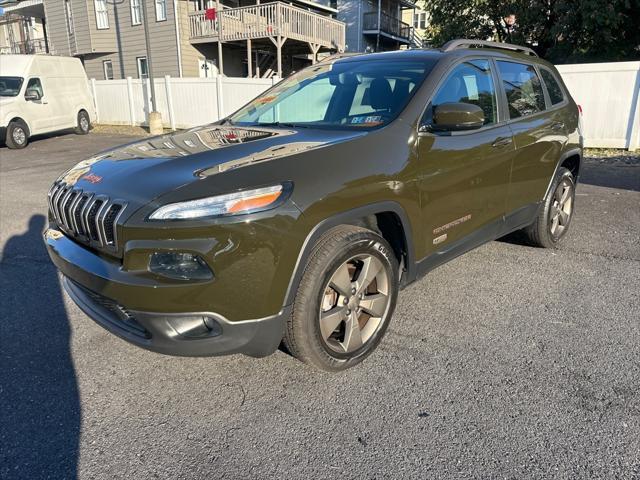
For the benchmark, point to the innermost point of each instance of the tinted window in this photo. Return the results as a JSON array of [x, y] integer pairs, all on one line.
[[553, 87], [470, 82], [10, 86], [523, 89], [350, 94]]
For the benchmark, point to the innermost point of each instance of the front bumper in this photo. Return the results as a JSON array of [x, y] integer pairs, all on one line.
[[99, 287]]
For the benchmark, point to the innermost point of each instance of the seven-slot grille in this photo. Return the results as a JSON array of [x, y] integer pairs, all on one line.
[[88, 217]]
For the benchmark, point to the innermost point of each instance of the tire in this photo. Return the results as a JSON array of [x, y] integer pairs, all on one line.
[[340, 313], [84, 123], [554, 218], [17, 135]]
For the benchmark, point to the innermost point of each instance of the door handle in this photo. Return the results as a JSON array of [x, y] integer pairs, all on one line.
[[502, 141]]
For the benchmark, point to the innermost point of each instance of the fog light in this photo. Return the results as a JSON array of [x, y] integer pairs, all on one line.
[[196, 326], [180, 266]]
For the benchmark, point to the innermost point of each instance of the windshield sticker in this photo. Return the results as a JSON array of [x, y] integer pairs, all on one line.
[[367, 120], [263, 100]]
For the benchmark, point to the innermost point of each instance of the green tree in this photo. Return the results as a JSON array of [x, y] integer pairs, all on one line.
[[562, 31]]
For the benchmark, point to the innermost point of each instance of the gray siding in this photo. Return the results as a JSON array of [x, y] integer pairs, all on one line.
[[81, 30], [57, 27], [102, 40], [190, 55]]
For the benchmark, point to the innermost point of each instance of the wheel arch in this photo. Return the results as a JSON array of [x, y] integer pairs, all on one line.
[[388, 218], [571, 159], [17, 118]]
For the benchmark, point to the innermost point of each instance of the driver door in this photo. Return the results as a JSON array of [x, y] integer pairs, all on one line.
[[465, 174], [38, 112]]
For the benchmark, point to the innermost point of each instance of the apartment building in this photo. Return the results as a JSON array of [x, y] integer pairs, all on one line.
[[419, 19], [21, 34]]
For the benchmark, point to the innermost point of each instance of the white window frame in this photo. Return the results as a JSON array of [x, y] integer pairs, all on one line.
[[104, 69], [139, 64], [102, 14], [161, 10], [136, 12], [69, 15]]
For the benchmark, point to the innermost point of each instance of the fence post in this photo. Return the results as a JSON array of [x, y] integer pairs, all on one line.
[[219, 93], [132, 114], [634, 137], [167, 87], [95, 99]]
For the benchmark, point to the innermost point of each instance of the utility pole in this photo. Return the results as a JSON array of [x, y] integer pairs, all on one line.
[[155, 117]]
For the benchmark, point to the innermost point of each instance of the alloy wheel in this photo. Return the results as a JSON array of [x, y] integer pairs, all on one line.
[[19, 135], [354, 304], [84, 123], [561, 209]]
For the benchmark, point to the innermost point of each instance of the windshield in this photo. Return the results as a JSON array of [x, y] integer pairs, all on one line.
[[10, 86], [354, 94]]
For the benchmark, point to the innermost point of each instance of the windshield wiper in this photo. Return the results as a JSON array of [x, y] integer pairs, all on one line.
[[282, 124]]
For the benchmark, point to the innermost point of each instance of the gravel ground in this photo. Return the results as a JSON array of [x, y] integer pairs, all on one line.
[[509, 362]]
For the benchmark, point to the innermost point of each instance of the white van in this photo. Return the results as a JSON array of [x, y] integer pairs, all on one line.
[[42, 94]]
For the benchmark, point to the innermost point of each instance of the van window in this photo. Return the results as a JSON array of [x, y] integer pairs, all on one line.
[[10, 86], [553, 87], [523, 88], [470, 82], [34, 84]]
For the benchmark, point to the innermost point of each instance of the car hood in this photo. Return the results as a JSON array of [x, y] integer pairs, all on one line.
[[6, 101], [143, 170]]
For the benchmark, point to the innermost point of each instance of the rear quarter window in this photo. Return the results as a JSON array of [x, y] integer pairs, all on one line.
[[553, 87]]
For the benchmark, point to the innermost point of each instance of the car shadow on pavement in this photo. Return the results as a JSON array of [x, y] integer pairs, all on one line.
[[40, 419]]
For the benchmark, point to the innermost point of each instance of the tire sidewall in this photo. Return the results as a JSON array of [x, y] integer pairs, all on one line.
[[563, 174], [9, 141], [367, 243], [79, 129]]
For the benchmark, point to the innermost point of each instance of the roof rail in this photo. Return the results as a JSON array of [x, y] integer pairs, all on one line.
[[464, 43]]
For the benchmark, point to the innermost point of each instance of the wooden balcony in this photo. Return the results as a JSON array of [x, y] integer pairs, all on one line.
[[390, 26], [268, 20]]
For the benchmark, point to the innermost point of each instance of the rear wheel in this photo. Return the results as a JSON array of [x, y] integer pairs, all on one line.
[[554, 218], [84, 123], [17, 134], [345, 299]]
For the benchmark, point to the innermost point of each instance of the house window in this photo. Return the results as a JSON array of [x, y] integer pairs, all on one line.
[[107, 67], [143, 67], [102, 16], [420, 20], [161, 10], [69, 12], [136, 12]]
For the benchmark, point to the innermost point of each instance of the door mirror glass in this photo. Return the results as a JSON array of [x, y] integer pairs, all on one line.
[[451, 117], [32, 95]]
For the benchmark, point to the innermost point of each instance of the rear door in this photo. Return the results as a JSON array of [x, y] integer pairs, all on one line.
[[539, 135], [464, 175]]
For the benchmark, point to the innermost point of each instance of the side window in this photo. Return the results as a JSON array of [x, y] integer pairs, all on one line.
[[34, 84], [470, 82], [523, 89], [553, 87]]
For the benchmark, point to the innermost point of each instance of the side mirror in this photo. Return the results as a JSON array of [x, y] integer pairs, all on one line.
[[32, 95], [452, 117]]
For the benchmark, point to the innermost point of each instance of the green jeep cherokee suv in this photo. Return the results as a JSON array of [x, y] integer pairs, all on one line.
[[297, 219]]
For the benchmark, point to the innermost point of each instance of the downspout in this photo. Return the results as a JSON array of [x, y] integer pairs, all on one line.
[[178, 43]]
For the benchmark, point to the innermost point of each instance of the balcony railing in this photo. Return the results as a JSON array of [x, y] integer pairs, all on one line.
[[28, 47], [388, 24], [268, 20]]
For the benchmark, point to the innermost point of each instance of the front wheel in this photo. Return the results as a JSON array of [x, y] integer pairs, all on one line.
[[17, 135], [554, 218], [345, 300]]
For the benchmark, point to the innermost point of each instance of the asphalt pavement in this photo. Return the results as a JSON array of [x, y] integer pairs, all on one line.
[[509, 362]]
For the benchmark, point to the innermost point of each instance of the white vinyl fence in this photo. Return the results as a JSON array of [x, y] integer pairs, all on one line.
[[608, 93], [183, 102]]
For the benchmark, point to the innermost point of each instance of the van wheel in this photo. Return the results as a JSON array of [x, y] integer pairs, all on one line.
[[556, 212], [345, 299], [17, 135], [84, 123]]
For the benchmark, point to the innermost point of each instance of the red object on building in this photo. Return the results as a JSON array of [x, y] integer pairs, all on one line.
[[210, 14]]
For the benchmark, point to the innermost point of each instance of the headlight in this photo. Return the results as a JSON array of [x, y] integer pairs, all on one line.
[[247, 201]]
